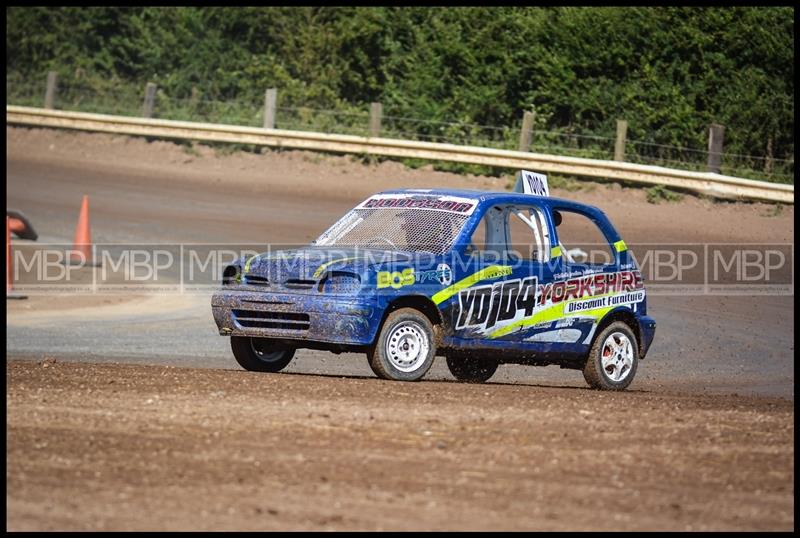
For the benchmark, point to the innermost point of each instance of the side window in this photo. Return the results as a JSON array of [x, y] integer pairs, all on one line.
[[528, 234], [488, 239], [581, 240]]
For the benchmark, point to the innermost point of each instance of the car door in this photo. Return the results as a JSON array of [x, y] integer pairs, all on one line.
[[583, 268], [477, 264], [506, 258], [515, 309]]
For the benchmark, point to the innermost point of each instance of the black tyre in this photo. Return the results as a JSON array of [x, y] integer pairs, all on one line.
[[471, 369], [261, 354], [613, 359], [405, 347]]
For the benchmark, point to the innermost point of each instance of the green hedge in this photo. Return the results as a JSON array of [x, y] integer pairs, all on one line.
[[669, 71]]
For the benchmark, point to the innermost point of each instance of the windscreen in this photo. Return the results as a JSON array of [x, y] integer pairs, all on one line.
[[408, 222]]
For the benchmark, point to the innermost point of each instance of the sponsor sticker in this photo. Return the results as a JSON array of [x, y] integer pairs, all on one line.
[[484, 306], [396, 279], [603, 302], [502, 307], [452, 204], [442, 274]]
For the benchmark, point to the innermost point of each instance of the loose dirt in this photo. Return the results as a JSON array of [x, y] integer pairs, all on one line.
[[121, 447]]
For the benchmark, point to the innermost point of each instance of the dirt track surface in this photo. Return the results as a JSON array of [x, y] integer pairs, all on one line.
[[158, 192], [207, 446], [121, 447]]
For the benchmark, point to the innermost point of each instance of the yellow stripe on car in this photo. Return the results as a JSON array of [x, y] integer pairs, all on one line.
[[493, 271], [552, 313], [247, 263], [325, 265]]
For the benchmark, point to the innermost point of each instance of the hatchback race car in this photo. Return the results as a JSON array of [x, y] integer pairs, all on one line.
[[480, 278]]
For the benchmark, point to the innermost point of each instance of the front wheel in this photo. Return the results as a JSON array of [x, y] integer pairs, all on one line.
[[613, 359], [260, 354], [405, 347], [471, 369]]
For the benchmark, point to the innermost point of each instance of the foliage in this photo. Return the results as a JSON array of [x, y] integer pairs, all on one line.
[[776, 210], [669, 71], [659, 193]]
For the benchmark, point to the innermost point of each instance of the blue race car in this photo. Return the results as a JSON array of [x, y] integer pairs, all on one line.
[[480, 278]]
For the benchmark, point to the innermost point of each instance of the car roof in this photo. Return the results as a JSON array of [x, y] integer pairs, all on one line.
[[497, 197]]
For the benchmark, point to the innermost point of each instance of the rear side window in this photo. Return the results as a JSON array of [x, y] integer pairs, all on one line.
[[581, 239]]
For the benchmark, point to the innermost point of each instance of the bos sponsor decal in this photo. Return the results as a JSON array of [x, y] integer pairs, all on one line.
[[396, 279]]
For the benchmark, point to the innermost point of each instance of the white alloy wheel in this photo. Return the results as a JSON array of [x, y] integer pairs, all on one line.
[[407, 346], [617, 357]]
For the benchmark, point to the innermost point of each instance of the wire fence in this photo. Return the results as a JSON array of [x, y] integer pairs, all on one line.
[[122, 99]]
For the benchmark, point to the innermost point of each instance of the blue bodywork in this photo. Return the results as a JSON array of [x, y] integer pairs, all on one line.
[[541, 308]]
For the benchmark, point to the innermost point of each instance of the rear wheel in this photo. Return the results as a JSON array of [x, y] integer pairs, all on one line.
[[471, 369], [261, 354], [405, 347], [613, 359]]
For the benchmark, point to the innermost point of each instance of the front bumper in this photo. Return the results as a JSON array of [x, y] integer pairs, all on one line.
[[343, 320]]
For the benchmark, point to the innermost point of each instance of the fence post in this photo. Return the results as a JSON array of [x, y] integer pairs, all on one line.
[[525, 133], [375, 112], [52, 87], [619, 146], [195, 97], [149, 100], [716, 135], [270, 107], [768, 161]]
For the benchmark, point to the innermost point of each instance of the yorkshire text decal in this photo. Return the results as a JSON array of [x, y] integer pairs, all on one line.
[[597, 284]]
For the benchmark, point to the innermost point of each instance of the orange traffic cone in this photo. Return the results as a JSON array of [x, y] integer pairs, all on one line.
[[82, 249], [9, 293]]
